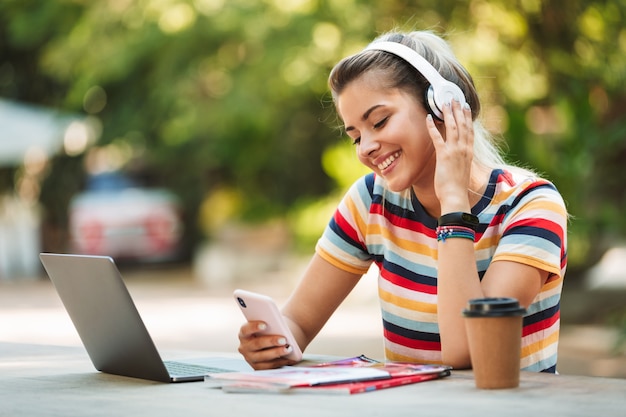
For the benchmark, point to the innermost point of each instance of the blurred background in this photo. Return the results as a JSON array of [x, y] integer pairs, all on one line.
[[199, 137]]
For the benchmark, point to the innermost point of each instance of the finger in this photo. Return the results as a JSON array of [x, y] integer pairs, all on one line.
[[449, 120], [451, 132], [459, 113], [271, 364], [467, 109], [251, 340], [469, 121], [460, 120], [262, 351], [266, 352], [272, 354], [251, 328], [459, 124], [464, 112], [433, 131]]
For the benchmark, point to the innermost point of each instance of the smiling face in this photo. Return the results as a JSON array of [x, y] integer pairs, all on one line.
[[388, 128]]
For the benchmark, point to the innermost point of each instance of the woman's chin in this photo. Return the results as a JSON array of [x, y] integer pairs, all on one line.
[[397, 186]]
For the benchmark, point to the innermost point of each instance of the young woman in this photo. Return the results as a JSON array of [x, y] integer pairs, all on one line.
[[441, 215]]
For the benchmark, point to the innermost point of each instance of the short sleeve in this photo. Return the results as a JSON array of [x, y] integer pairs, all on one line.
[[343, 241], [535, 229]]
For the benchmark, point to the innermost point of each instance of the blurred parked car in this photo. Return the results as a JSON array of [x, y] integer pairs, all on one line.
[[115, 217]]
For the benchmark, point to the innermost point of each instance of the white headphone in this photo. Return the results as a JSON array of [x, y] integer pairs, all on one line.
[[440, 91]]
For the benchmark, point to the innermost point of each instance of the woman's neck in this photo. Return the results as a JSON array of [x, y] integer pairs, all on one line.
[[477, 186]]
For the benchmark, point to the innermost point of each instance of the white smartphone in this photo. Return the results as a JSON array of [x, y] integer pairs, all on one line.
[[261, 307]]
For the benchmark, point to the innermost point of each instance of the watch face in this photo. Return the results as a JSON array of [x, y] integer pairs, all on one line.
[[459, 219], [470, 218]]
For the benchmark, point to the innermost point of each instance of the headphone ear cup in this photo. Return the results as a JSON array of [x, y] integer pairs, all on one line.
[[431, 105], [438, 95]]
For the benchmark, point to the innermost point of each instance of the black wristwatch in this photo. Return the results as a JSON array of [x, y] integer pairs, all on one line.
[[459, 218]]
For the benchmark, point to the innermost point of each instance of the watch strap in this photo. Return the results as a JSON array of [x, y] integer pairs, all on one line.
[[459, 218]]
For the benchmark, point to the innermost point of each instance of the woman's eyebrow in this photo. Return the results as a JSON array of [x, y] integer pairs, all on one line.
[[365, 115]]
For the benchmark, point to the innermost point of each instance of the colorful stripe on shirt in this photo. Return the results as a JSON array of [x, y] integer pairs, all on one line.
[[522, 219]]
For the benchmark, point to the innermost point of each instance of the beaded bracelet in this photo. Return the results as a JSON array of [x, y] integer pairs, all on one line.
[[446, 232]]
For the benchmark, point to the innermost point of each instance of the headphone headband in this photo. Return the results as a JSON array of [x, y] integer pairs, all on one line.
[[441, 91]]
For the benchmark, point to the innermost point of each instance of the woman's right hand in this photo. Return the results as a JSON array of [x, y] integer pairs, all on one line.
[[263, 351]]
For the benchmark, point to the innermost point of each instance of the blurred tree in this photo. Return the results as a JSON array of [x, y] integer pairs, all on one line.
[[559, 103], [203, 95]]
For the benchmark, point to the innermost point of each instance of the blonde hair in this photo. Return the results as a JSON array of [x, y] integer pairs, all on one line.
[[397, 73]]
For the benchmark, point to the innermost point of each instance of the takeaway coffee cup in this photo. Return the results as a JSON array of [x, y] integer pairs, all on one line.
[[494, 332]]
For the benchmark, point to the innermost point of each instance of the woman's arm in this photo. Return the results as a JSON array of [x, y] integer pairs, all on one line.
[[457, 275], [458, 282], [320, 291]]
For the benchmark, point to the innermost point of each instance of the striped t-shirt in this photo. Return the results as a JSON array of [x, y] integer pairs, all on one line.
[[522, 219]]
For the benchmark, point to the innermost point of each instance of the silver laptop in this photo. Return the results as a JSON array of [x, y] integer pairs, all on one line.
[[109, 325]]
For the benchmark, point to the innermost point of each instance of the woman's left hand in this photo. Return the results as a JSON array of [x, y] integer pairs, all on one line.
[[455, 153]]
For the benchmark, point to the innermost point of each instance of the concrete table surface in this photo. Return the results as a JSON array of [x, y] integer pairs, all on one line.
[[43, 380]]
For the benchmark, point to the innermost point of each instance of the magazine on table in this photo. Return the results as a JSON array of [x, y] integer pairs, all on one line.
[[345, 376]]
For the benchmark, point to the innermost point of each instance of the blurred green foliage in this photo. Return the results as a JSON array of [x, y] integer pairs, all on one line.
[[226, 103]]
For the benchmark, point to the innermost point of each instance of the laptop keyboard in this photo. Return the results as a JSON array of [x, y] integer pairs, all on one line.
[[188, 369]]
